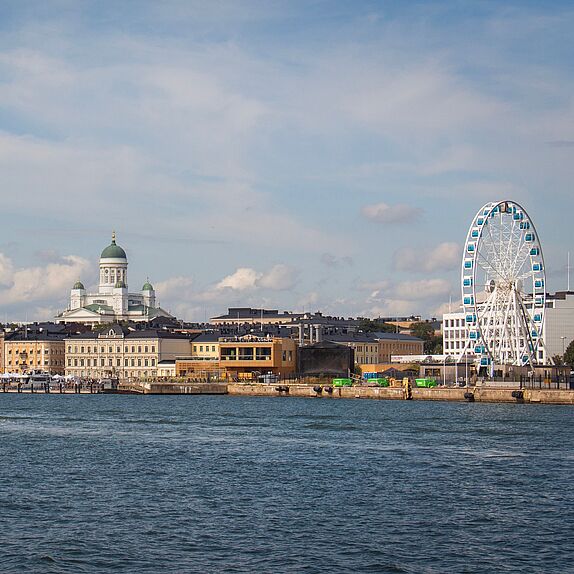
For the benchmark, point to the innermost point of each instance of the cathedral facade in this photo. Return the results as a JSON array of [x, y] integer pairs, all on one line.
[[112, 302]]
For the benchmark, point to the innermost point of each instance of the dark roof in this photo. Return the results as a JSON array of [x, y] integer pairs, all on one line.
[[396, 337], [351, 338], [250, 313], [130, 335], [209, 337]]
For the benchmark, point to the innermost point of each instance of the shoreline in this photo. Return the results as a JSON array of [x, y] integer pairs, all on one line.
[[325, 391]]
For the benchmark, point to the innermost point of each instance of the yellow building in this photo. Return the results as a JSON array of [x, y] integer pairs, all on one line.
[[28, 350], [375, 348], [119, 353], [250, 354]]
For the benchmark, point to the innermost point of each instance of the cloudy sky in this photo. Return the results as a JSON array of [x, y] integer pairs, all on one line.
[[301, 155]]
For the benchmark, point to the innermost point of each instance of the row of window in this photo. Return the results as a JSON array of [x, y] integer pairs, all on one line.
[[32, 351], [82, 349], [195, 348], [110, 362]]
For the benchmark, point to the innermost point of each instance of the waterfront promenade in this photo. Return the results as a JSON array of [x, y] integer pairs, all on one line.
[[327, 391]]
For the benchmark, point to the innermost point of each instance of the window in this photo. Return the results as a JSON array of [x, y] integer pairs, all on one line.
[[133, 349], [201, 348], [139, 348], [263, 353], [139, 362], [153, 362], [145, 362], [246, 353], [213, 348], [145, 349], [153, 348], [81, 349]]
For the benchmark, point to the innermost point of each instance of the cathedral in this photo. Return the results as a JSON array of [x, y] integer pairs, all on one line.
[[112, 302]]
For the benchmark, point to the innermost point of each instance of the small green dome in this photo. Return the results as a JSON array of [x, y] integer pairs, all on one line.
[[113, 251], [78, 285], [147, 286], [120, 284]]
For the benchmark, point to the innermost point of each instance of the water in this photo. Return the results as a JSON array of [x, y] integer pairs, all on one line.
[[98, 484]]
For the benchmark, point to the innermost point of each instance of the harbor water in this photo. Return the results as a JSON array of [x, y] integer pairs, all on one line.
[[155, 484]]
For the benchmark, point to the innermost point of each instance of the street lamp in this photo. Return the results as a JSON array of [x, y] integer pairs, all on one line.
[[563, 339]]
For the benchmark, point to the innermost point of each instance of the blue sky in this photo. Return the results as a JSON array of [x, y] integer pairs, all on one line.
[[298, 155]]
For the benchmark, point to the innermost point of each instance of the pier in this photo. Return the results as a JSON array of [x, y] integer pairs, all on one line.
[[325, 391]]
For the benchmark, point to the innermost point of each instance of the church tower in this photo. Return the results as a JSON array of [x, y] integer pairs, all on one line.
[[113, 268]]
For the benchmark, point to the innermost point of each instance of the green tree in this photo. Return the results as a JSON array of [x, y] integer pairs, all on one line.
[[374, 325], [569, 355], [432, 342]]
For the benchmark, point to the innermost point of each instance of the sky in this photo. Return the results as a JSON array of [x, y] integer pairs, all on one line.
[[303, 155]]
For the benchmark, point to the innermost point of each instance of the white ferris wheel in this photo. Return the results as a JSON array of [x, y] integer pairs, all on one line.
[[503, 286]]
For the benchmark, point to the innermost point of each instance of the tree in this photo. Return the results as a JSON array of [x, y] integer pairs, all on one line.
[[569, 355], [374, 325], [432, 342], [558, 360]]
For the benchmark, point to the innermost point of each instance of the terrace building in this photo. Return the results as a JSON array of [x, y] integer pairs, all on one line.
[[119, 353], [34, 348]]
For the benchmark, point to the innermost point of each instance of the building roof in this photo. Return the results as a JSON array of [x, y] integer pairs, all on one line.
[[147, 286], [113, 251], [208, 337], [78, 285], [397, 337]]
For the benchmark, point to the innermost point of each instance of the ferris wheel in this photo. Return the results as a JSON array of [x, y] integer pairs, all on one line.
[[503, 286]]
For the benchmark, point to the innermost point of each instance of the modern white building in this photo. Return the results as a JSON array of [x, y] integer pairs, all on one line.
[[112, 302], [557, 334]]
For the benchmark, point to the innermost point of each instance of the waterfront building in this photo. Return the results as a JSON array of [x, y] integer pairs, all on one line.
[[34, 348], [557, 334], [377, 348], [112, 302], [252, 354], [325, 358], [117, 352], [205, 347]]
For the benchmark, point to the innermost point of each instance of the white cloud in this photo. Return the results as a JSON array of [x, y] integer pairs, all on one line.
[[51, 281], [243, 278], [423, 289], [279, 278], [443, 257], [391, 214]]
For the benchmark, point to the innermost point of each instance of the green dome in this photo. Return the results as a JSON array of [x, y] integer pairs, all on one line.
[[120, 284], [78, 285], [113, 251], [147, 286]]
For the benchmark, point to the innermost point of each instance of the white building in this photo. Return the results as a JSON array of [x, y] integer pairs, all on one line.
[[112, 302], [557, 334]]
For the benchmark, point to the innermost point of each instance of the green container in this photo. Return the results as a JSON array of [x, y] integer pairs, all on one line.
[[381, 381], [342, 383], [426, 383]]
